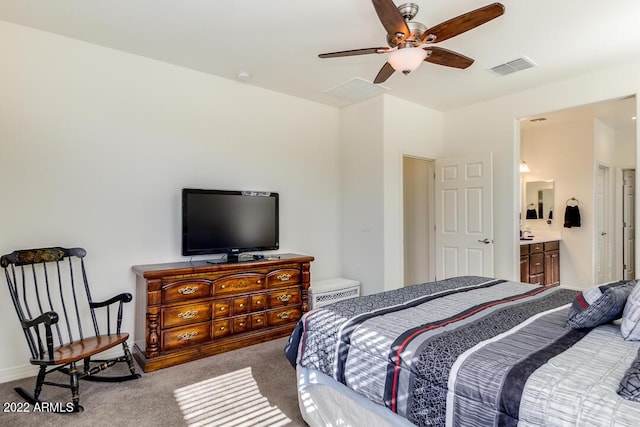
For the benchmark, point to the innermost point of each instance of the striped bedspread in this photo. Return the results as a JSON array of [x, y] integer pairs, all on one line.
[[467, 351]]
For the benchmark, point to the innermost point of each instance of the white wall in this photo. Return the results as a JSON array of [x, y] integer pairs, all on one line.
[[362, 194], [492, 126], [97, 144], [564, 152], [375, 136], [409, 129]]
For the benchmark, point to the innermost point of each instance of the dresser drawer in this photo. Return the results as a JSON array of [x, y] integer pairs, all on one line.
[[258, 320], [221, 308], [283, 277], [185, 314], [241, 324], [221, 328], [289, 296], [238, 283], [551, 246], [185, 336], [185, 290], [285, 315], [536, 263], [240, 305], [257, 302]]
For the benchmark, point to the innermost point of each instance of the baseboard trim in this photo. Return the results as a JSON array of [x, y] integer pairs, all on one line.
[[17, 373], [26, 371]]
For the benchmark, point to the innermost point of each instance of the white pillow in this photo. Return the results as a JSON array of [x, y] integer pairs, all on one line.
[[630, 327]]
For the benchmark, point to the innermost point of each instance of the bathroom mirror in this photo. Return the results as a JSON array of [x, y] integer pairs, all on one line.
[[538, 200]]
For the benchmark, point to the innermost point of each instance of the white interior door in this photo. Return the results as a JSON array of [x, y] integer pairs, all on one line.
[[604, 249], [628, 223], [464, 216]]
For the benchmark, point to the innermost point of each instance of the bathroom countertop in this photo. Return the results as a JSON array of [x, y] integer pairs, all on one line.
[[540, 239]]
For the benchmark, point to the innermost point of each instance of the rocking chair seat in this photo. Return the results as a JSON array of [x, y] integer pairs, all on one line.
[[84, 348]]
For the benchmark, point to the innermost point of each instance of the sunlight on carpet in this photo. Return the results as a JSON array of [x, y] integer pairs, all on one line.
[[230, 400]]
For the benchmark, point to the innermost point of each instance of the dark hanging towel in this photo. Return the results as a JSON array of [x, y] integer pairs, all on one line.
[[531, 212], [572, 216]]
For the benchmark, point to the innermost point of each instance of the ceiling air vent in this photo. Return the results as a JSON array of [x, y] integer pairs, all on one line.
[[355, 90], [513, 66]]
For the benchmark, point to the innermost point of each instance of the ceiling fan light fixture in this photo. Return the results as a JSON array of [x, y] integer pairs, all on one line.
[[406, 60]]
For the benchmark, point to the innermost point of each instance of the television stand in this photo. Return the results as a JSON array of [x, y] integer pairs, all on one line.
[[190, 310]]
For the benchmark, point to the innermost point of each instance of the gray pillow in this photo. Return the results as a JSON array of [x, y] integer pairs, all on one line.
[[630, 327], [599, 305], [630, 384]]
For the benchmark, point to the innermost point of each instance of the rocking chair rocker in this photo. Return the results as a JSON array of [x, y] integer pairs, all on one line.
[[52, 312]]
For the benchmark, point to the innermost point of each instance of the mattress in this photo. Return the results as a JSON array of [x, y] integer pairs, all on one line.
[[469, 351]]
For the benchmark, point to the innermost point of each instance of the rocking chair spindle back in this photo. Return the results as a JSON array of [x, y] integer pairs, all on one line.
[[51, 295]]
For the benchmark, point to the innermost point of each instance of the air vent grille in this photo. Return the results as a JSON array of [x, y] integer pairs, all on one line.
[[355, 90], [513, 66]]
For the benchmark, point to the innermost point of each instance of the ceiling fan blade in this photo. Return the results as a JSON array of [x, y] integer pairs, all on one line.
[[462, 23], [384, 73], [391, 19], [447, 57], [354, 52]]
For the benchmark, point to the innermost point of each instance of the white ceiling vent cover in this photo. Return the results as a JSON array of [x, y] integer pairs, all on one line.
[[513, 66], [355, 90]]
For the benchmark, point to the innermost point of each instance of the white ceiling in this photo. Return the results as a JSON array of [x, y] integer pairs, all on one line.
[[278, 41]]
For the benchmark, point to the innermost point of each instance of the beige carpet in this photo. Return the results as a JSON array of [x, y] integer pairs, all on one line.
[[253, 386]]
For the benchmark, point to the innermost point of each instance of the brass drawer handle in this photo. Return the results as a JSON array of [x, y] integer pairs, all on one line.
[[258, 302], [240, 305], [258, 320], [284, 315], [221, 308], [241, 324], [187, 336], [189, 314], [284, 298], [222, 328], [283, 277], [188, 290]]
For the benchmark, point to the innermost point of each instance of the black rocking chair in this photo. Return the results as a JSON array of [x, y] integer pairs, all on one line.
[[52, 310]]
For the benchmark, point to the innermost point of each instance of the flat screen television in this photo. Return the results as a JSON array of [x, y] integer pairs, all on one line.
[[229, 222]]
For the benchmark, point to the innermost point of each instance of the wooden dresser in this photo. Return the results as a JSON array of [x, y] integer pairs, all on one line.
[[540, 263], [189, 310]]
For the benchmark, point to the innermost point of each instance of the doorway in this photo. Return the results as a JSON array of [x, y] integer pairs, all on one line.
[[418, 220], [585, 150]]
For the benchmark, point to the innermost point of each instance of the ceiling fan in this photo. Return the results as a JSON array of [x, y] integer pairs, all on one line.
[[411, 42]]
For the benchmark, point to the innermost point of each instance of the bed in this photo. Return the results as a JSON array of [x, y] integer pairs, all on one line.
[[466, 351]]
